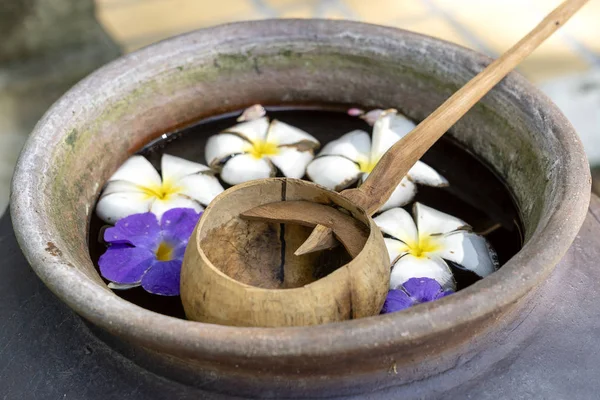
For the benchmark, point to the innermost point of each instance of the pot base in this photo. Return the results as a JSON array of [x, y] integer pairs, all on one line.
[[555, 336]]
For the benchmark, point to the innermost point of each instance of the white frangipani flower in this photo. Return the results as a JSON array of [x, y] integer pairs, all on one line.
[[254, 112], [419, 250], [252, 149], [353, 156], [137, 187]]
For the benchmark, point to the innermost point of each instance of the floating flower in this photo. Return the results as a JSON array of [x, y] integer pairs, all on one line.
[[144, 252], [254, 112], [252, 149], [419, 250], [137, 187], [353, 156], [412, 292], [372, 116]]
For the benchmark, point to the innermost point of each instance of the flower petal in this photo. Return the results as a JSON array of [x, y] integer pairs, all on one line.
[[116, 205], [432, 222], [125, 265], [122, 286], [398, 223], [355, 146], [159, 207], [425, 175], [139, 171], [251, 113], [401, 196], [370, 117], [387, 130], [470, 251], [422, 289], [121, 186], [219, 147], [333, 172], [401, 125], [383, 136], [163, 278], [139, 230], [292, 162], [178, 224], [253, 130], [396, 300], [444, 293], [432, 267], [245, 167], [395, 248], [355, 112], [174, 168], [285, 134], [200, 187]]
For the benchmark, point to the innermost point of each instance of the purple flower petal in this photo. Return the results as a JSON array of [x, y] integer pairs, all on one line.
[[139, 230], [116, 246], [179, 251], [125, 264], [422, 289], [396, 300], [444, 294], [135, 240], [178, 224], [163, 278]]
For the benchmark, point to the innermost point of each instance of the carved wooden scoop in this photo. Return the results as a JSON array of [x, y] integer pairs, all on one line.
[[401, 157]]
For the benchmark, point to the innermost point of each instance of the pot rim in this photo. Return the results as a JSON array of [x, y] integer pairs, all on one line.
[[530, 266]]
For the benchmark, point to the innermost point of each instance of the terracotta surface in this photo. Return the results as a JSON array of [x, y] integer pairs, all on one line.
[[94, 128], [549, 352]]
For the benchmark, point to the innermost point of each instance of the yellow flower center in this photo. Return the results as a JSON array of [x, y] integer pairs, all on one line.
[[425, 244], [262, 148], [164, 252], [366, 165], [161, 192]]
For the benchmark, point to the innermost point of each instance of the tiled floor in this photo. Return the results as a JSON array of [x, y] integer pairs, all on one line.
[[567, 67]]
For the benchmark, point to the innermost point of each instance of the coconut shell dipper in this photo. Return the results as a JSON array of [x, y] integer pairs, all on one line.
[[240, 267]]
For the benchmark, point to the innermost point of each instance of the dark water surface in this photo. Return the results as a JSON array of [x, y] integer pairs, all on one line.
[[475, 193]]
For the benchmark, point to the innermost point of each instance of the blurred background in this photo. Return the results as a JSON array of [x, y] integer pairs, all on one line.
[[48, 45]]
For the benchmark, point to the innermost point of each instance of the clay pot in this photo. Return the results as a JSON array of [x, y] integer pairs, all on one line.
[[99, 123], [230, 256]]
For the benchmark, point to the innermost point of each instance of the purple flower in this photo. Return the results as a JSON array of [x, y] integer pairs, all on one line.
[[144, 252], [413, 291]]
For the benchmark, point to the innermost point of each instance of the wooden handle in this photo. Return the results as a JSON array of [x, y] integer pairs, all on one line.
[[396, 162]]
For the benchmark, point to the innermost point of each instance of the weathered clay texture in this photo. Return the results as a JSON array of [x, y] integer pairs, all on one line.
[[100, 122]]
